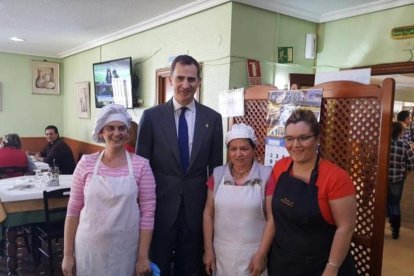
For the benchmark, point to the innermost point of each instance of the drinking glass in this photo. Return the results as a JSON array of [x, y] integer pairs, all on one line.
[[37, 177]]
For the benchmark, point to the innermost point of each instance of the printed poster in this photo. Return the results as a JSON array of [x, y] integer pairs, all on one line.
[[281, 104]]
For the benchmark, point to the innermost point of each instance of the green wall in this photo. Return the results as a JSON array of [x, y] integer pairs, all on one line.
[[257, 34], [198, 35], [364, 40], [22, 112]]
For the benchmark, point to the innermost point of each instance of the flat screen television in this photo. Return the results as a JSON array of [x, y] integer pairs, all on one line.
[[113, 82]]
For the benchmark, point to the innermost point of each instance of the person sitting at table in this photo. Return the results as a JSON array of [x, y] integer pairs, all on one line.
[[110, 215], [56, 152], [12, 155]]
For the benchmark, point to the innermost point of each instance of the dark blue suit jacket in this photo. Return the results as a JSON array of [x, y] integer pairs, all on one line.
[[157, 141]]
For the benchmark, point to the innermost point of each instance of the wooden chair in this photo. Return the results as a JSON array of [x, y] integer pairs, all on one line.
[[52, 228], [8, 172]]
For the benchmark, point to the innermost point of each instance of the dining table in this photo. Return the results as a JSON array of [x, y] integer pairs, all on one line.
[[43, 166], [21, 204]]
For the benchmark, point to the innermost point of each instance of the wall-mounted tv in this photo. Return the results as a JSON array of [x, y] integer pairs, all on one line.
[[113, 82]]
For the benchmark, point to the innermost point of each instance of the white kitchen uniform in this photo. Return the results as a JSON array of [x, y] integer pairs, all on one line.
[[239, 219], [106, 240]]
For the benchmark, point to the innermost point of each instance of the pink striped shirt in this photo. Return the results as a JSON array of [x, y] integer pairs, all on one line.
[[143, 176]]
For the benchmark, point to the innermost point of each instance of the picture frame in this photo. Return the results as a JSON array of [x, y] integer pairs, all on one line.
[[83, 102], [45, 78]]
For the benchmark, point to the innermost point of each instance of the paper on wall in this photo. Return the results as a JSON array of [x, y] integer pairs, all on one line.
[[358, 75], [231, 102]]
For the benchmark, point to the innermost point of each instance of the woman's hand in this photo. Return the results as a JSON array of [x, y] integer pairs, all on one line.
[[209, 261], [68, 265], [330, 271], [143, 267], [257, 264]]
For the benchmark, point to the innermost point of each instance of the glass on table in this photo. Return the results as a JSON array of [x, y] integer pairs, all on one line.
[[38, 177]]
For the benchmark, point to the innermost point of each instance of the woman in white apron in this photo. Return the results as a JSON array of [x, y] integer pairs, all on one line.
[[110, 216], [234, 216]]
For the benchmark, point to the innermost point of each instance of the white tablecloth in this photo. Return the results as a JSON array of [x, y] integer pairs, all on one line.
[[41, 165], [9, 192]]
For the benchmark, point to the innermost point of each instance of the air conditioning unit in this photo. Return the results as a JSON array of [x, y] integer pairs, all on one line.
[[310, 46]]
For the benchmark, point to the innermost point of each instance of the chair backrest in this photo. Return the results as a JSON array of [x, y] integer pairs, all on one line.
[[7, 172], [52, 207]]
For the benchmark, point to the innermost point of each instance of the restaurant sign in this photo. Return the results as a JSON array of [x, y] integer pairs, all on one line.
[[402, 32]]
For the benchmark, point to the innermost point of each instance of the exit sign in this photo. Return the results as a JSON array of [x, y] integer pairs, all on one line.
[[285, 54]]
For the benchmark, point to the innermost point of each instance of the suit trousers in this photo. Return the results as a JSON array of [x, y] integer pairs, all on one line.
[[178, 251]]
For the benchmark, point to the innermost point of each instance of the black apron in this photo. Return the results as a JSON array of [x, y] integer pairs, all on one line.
[[303, 238]]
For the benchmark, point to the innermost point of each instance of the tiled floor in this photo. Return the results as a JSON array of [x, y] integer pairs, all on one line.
[[398, 257], [26, 266]]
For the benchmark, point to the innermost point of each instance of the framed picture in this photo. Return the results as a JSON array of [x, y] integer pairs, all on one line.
[[45, 78], [83, 100]]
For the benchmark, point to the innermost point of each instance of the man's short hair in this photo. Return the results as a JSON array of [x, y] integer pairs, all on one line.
[[397, 129], [186, 60], [52, 127], [402, 115]]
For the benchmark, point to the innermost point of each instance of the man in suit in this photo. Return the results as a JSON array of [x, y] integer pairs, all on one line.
[[181, 183]]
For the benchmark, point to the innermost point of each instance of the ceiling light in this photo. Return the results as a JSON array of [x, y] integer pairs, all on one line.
[[17, 39]]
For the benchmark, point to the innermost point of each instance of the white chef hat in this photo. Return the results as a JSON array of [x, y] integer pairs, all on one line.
[[241, 131], [110, 113]]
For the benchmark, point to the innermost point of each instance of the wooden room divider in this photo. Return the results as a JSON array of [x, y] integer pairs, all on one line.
[[355, 121], [255, 112]]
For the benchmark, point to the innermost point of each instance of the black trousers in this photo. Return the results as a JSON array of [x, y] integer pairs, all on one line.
[[178, 251]]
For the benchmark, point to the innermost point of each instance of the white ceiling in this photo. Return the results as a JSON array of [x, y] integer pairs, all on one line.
[[60, 28]]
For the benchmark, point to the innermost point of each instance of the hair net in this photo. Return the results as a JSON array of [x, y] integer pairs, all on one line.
[[110, 113], [241, 131]]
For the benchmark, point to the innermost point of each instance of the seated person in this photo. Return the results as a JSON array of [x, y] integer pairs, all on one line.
[[56, 152], [11, 155]]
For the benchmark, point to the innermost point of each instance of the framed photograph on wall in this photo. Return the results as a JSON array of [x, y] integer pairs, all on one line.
[[45, 78], [83, 102]]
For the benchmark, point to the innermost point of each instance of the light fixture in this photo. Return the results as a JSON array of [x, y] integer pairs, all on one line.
[[16, 39]]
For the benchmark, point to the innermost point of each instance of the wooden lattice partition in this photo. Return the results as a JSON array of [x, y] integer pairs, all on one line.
[[355, 121], [255, 110]]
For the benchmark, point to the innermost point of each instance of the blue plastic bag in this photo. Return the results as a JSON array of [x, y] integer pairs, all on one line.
[[155, 270]]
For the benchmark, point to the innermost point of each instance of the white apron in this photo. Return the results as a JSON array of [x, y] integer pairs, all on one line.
[[106, 240], [239, 222]]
